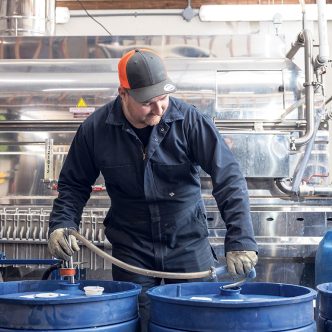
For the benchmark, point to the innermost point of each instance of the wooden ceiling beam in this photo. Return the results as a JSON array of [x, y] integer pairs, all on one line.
[[164, 4]]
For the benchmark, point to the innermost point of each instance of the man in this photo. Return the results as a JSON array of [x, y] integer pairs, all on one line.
[[149, 147]]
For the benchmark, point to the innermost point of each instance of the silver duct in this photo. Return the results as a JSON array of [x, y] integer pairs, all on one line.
[[27, 17]]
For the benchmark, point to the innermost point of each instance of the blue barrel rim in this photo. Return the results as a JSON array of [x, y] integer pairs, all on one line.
[[265, 307], [310, 295], [74, 309], [324, 287], [324, 301], [134, 290]]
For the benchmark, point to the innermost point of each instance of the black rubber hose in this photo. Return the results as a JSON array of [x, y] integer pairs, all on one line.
[[49, 270]]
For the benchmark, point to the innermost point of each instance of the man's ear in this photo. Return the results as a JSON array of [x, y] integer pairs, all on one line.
[[122, 91]]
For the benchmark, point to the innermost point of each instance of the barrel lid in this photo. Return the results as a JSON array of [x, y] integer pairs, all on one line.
[[43, 305], [250, 294], [53, 292]]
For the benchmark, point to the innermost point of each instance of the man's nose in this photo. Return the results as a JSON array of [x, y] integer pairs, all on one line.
[[157, 108]]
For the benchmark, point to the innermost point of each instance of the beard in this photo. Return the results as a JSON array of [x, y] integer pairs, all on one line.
[[152, 120], [149, 119]]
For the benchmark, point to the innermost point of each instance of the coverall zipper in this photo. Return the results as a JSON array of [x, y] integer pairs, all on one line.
[[143, 152]]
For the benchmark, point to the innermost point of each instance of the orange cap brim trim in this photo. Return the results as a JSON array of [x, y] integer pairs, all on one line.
[[122, 67]]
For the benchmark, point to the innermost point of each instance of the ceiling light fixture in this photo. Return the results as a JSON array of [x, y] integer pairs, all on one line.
[[248, 13]]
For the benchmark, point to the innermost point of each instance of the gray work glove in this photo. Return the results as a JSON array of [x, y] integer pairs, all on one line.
[[240, 262], [59, 247]]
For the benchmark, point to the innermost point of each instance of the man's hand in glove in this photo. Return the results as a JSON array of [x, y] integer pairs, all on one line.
[[240, 262], [58, 244]]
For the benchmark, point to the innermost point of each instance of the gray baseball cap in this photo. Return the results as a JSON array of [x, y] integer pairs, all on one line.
[[143, 73]]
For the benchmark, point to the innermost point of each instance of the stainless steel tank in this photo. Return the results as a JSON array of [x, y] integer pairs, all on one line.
[[27, 17]]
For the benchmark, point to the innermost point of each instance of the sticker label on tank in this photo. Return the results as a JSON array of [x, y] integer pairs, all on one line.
[[82, 110], [202, 298], [43, 295]]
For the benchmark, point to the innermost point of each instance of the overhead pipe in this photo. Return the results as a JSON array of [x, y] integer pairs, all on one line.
[[170, 12], [323, 56]]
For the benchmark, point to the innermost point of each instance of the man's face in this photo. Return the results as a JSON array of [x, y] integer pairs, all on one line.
[[145, 114]]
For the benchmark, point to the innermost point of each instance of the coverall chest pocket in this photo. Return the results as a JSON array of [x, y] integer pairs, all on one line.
[[172, 178], [122, 178]]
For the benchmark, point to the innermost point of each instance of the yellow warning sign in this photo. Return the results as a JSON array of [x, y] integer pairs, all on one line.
[[82, 110], [81, 103], [3, 177]]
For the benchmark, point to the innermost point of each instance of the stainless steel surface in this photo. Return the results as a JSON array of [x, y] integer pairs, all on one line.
[[286, 238], [27, 17], [269, 153], [24, 233], [40, 101], [49, 85]]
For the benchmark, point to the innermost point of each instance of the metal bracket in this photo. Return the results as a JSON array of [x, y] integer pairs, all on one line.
[[188, 13]]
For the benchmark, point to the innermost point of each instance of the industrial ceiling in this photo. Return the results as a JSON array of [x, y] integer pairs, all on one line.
[[163, 4]]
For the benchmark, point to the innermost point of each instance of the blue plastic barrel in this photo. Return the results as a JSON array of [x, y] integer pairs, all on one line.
[[324, 325], [207, 307], [323, 268], [324, 307], [57, 305]]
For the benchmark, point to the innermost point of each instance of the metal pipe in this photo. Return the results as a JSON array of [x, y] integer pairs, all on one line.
[[304, 189], [283, 185], [309, 90], [71, 263], [323, 55], [174, 12], [295, 46], [309, 137], [292, 107], [328, 100], [308, 190], [297, 179], [304, 19]]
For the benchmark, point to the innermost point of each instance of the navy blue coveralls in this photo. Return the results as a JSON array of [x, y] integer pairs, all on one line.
[[157, 219]]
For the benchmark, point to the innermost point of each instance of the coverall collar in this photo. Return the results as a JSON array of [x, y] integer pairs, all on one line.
[[116, 116]]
